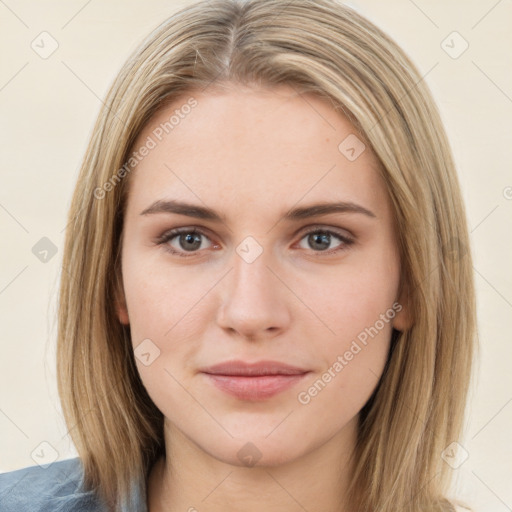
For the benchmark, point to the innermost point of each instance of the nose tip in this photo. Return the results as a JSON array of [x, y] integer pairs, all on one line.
[[252, 301]]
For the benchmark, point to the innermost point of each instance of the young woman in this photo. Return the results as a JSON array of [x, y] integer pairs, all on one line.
[[267, 301]]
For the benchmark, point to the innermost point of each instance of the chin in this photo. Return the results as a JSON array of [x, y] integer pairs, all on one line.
[[255, 450]]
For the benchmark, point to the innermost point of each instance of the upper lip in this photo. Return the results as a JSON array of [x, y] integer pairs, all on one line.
[[241, 368]]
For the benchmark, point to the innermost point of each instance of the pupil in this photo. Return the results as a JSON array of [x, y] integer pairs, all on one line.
[[190, 239], [321, 239]]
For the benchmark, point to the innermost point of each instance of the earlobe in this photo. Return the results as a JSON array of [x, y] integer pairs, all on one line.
[[403, 317], [122, 313], [121, 309], [402, 320]]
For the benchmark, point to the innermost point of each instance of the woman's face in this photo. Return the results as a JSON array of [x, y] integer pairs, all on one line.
[[258, 274]]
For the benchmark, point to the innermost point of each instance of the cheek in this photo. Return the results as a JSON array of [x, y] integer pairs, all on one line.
[[358, 307], [161, 299], [166, 321], [353, 298], [353, 359]]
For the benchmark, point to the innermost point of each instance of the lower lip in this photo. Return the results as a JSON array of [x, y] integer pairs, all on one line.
[[255, 387]]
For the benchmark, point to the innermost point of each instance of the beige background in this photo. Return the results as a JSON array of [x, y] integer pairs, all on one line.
[[47, 110]]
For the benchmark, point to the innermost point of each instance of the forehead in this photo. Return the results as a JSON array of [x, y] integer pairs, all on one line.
[[259, 147]]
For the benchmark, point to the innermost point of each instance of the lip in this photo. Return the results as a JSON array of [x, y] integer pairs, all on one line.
[[254, 381]]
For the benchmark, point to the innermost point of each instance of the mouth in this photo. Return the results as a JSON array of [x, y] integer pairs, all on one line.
[[254, 381]]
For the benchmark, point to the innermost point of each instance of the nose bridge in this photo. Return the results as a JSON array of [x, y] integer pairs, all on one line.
[[252, 280], [253, 301]]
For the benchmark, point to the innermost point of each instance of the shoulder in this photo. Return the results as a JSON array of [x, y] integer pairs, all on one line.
[[55, 488]]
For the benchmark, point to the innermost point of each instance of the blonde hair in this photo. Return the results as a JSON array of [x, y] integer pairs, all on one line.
[[325, 48]]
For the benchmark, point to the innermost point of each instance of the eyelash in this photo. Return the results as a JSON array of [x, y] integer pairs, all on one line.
[[169, 235]]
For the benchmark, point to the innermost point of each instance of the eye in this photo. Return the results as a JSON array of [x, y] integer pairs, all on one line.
[[320, 240], [187, 240], [181, 241]]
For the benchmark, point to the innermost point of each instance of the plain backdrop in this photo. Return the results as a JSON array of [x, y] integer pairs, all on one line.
[[48, 104]]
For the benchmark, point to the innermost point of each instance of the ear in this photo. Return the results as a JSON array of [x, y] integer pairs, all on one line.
[[403, 319]]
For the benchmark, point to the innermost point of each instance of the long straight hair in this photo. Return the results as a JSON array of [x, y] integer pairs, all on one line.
[[320, 47]]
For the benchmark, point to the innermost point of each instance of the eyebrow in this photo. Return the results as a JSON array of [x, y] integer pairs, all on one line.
[[201, 212]]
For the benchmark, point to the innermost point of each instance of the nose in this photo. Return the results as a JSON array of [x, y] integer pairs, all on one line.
[[254, 300]]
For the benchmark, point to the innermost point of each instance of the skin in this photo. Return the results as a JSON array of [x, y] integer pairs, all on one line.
[[252, 155]]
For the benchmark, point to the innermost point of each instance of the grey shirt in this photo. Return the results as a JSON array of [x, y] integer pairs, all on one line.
[[57, 488]]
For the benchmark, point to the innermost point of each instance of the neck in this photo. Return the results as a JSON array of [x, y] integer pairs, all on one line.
[[189, 479]]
